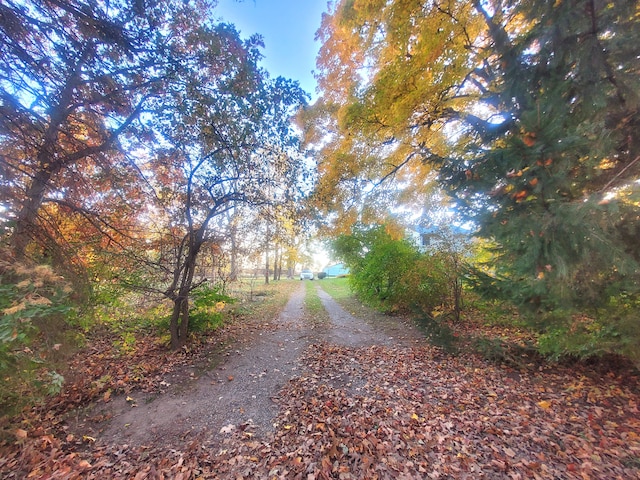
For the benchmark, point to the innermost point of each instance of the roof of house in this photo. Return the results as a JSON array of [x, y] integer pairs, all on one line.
[[433, 229]]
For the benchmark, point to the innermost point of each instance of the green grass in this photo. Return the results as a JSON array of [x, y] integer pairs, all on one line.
[[315, 312], [338, 288], [341, 292]]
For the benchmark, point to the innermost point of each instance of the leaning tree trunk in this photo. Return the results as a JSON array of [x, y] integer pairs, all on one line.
[[179, 325], [28, 214]]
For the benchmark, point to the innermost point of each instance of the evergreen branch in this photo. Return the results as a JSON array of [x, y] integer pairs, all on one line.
[[627, 167]]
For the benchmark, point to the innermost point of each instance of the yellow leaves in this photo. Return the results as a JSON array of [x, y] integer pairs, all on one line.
[[415, 50], [15, 309], [39, 300], [606, 164], [544, 404], [26, 302]]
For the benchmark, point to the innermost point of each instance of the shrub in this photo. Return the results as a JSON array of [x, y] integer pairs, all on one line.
[[394, 276], [206, 312], [31, 298]]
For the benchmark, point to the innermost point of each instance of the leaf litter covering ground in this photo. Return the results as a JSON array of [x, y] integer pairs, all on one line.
[[396, 413]]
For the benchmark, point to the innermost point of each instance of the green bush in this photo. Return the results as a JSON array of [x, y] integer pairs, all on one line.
[[32, 297], [381, 278], [585, 337], [424, 286], [393, 275], [206, 312]]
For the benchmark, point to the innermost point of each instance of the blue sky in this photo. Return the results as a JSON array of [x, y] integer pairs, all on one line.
[[288, 28]]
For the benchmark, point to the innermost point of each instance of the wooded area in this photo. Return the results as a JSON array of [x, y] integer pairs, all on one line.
[[145, 157], [519, 116]]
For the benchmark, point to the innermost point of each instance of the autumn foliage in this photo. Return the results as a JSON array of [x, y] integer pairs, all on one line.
[[525, 115], [381, 412]]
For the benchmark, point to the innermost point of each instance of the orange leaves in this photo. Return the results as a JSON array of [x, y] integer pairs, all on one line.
[[416, 418], [529, 139], [393, 412], [520, 195]]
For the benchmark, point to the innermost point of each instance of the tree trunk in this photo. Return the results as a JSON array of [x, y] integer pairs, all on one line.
[[266, 267], [174, 325], [233, 274], [275, 263], [280, 263], [26, 218], [179, 326]]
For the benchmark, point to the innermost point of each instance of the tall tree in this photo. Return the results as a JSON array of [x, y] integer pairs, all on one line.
[[527, 110], [391, 76], [547, 183], [227, 141], [76, 76]]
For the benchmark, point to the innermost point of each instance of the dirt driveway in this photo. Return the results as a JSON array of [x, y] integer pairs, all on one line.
[[242, 390]]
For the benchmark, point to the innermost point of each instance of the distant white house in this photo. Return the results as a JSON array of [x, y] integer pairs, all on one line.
[[336, 270], [436, 237]]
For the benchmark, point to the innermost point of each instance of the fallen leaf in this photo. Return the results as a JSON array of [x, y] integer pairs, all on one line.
[[544, 404], [228, 428], [509, 452]]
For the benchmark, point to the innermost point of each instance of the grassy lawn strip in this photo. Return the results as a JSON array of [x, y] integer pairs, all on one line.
[[340, 291], [315, 314], [338, 288], [259, 302]]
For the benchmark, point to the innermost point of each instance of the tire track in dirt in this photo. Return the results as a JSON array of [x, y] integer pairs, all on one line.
[[242, 391], [348, 330], [351, 331], [238, 392]]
